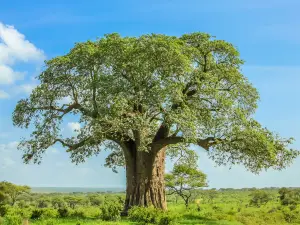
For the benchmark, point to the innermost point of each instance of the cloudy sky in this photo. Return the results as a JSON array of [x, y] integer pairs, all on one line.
[[267, 33]]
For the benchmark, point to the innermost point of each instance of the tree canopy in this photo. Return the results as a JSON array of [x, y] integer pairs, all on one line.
[[12, 191], [157, 91]]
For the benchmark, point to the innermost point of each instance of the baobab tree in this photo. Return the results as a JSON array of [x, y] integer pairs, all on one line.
[[140, 97]]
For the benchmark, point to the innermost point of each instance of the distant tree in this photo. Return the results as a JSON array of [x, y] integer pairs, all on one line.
[[259, 197], [95, 199], [139, 96], [73, 201], [211, 195], [43, 202], [58, 202], [289, 196], [13, 191], [184, 180]]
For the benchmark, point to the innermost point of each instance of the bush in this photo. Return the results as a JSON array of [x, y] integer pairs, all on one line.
[[168, 218], [49, 213], [110, 212], [144, 215], [291, 216], [259, 198], [150, 215], [78, 213], [63, 212], [36, 214], [3, 210], [13, 219]]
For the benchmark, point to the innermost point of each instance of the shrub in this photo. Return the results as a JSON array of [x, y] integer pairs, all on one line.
[[144, 215], [110, 212], [3, 210], [63, 212], [151, 215], [291, 216], [36, 214], [293, 207], [78, 213], [168, 218], [49, 213], [13, 219]]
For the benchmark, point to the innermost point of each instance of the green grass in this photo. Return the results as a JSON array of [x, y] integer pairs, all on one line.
[[80, 221], [99, 222]]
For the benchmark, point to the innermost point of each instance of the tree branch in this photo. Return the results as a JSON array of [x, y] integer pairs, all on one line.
[[72, 146], [204, 143], [64, 111]]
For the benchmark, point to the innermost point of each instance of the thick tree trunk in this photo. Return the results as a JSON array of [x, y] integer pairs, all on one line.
[[145, 179]]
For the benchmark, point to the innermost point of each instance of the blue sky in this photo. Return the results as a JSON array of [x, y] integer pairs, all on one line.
[[266, 33]]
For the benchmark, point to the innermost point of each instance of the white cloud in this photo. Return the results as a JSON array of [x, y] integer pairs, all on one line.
[[8, 75], [14, 48], [6, 152], [7, 162], [74, 126], [8, 147], [24, 88], [3, 94]]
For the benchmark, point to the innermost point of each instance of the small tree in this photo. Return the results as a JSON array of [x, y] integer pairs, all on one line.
[[13, 191], [184, 180], [58, 202]]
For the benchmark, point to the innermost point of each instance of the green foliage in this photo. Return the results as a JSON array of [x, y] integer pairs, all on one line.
[[3, 210], [259, 198], [291, 216], [168, 218], [79, 213], [13, 219], [12, 191], [133, 88], [150, 215], [229, 206], [63, 212], [144, 215], [49, 213], [289, 196], [36, 214], [96, 200], [111, 211], [3, 198], [184, 180]]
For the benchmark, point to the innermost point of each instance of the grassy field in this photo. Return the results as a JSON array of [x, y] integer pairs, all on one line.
[[208, 207], [99, 222]]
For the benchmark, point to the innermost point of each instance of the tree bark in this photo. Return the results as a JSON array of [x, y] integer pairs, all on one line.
[[145, 179]]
